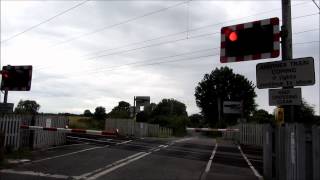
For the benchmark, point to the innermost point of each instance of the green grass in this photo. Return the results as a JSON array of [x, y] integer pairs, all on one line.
[[81, 122]]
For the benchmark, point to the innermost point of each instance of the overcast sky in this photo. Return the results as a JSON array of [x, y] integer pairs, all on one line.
[[101, 52]]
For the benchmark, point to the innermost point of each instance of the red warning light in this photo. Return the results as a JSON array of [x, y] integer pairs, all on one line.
[[233, 36], [5, 74]]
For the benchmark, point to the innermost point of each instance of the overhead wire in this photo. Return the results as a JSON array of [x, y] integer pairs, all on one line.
[[154, 12], [44, 67], [137, 62], [187, 59], [118, 24], [45, 21], [318, 6], [202, 35], [134, 64], [308, 42], [139, 48], [152, 63], [190, 30], [172, 41], [159, 44]]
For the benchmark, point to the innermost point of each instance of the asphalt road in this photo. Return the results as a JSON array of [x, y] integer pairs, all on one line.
[[190, 158]]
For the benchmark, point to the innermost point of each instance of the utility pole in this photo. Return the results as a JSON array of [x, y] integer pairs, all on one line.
[[286, 48]]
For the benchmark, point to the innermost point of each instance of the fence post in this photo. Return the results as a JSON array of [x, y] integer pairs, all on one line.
[[32, 133], [1, 145], [316, 152], [267, 152]]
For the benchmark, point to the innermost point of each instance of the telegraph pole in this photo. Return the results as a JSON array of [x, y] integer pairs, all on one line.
[[286, 47]]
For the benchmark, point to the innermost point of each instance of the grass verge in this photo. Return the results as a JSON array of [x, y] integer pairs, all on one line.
[[81, 122]]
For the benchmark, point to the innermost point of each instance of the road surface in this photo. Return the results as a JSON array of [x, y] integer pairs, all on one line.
[[190, 158]]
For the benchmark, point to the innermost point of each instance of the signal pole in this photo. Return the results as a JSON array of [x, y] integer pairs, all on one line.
[[5, 99], [286, 47]]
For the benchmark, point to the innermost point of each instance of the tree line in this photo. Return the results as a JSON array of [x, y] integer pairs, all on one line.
[[222, 84], [167, 113]]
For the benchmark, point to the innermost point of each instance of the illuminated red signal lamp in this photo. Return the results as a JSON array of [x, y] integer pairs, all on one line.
[[5, 74], [233, 36]]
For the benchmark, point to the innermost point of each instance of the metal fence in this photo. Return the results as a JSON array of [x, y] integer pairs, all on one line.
[[129, 127], [44, 139], [248, 134], [10, 126], [291, 152], [15, 138]]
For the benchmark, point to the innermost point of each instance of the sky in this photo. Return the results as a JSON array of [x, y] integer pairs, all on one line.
[[96, 53]]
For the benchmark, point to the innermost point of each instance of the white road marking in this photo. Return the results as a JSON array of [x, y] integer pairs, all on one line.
[[86, 175], [255, 172], [181, 140], [17, 161], [117, 166], [125, 142], [211, 158], [95, 140], [32, 173], [161, 145], [206, 171], [152, 149], [64, 146], [68, 154]]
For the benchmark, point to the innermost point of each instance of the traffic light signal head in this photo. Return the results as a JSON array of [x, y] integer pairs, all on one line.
[[16, 78], [250, 41], [5, 74], [233, 36]]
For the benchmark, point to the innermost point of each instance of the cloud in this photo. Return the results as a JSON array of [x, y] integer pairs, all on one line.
[[71, 75]]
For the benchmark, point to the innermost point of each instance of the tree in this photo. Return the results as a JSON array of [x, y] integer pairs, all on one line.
[[170, 107], [27, 107], [87, 113], [171, 113], [100, 113], [261, 116], [196, 120], [224, 85], [145, 115], [121, 111], [305, 114]]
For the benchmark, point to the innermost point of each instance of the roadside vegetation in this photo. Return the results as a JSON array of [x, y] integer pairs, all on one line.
[[82, 122], [220, 85]]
